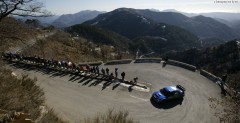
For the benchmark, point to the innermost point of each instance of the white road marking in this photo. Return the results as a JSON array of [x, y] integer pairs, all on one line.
[[139, 98]]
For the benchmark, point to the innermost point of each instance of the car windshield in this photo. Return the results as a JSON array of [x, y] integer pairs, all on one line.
[[165, 92]]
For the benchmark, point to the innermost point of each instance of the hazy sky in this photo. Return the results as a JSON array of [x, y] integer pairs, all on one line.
[[191, 6]]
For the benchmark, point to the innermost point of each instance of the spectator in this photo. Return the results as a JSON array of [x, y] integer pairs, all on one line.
[[81, 68], [94, 69], [116, 72], [224, 78], [91, 70], [97, 69], [166, 59], [88, 68], [103, 72], [111, 77], [123, 76], [107, 70], [135, 80]]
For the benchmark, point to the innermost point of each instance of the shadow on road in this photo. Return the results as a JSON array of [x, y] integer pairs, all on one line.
[[130, 88], [74, 76], [166, 105], [106, 84], [95, 83], [115, 86], [87, 82], [164, 64], [83, 79]]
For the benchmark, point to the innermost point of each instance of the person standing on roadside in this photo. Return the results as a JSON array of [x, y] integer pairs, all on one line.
[[97, 70], [166, 59], [88, 68], [135, 80], [111, 77], [123, 76], [107, 70], [116, 72], [103, 72], [94, 69], [224, 79]]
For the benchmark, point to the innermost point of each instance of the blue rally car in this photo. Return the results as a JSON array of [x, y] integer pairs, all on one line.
[[168, 93]]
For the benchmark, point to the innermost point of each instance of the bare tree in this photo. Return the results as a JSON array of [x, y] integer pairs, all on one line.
[[22, 8], [105, 52]]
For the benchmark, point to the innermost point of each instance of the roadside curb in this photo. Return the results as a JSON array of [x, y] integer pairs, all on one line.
[[137, 87], [115, 62]]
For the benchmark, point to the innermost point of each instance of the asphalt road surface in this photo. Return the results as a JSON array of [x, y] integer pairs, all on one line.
[[75, 98]]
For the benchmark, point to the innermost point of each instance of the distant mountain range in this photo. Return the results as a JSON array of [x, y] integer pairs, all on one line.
[[145, 34], [228, 18], [77, 18], [219, 28], [203, 27]]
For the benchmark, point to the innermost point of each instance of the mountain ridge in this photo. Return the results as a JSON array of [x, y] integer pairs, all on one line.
[[67, 20], [142, 30]]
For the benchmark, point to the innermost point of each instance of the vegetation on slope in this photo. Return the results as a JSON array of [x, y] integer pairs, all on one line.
[[23, 95], [146, 34], [100, 36], [163, 38], [61, 46], [14, 33], [111, 116], [219, 59]]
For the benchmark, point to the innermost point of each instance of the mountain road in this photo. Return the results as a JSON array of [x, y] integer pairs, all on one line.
[[75, 98]]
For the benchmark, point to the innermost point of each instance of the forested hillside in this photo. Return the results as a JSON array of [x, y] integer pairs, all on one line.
[[219, 60]]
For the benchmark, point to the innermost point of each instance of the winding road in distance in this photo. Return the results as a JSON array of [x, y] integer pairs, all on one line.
[[75, 98]]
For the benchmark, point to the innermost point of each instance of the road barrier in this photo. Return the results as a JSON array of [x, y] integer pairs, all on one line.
[[148, 60], [113, 62], [181, 64], [91, 63], [209, 75], [218, 80]]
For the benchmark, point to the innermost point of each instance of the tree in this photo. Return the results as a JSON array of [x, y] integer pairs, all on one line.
[[105, 52], [22, 8], [33, 23]]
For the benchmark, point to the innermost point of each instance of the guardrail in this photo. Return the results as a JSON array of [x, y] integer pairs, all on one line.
[[218, 80], [209, 75], [181, 64], [91, 63], [124, 61], [148, 60]]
